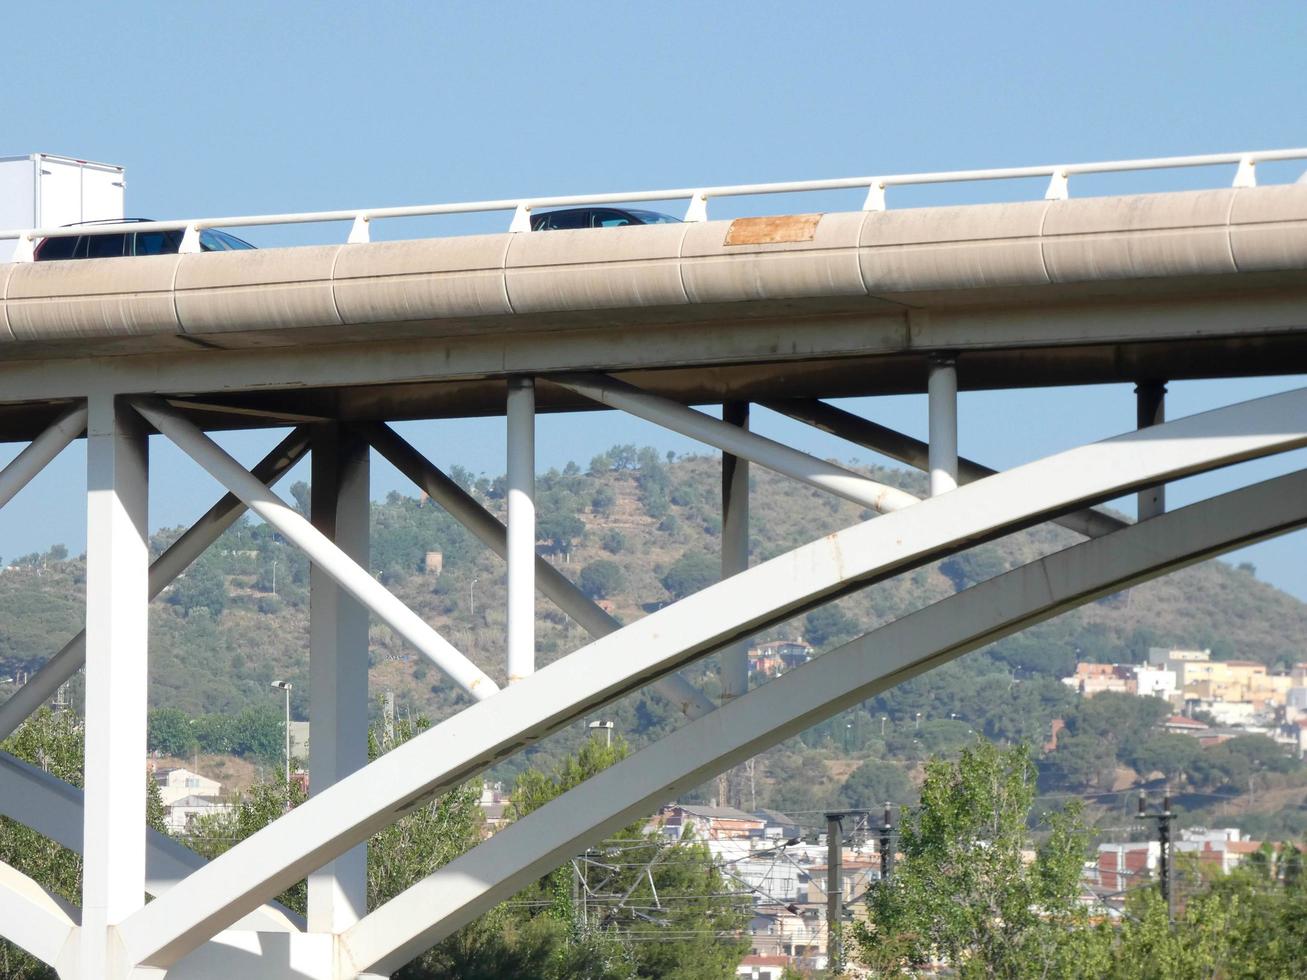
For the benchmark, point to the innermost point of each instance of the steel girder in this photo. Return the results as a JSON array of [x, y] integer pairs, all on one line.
[[347, 813]]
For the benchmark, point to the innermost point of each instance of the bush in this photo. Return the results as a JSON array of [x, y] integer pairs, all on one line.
[[693, 571], [614, 541], [601, 579]]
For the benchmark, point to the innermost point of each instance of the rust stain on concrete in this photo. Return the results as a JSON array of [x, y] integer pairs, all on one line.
[[775, 230]]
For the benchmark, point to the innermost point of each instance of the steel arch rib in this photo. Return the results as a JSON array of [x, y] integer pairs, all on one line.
[[350, 811], [33, 917], [468, 886]]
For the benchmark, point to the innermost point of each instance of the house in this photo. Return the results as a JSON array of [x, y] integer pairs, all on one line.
[[708, 822], [177, 784], [1090, 679], [181, 813], [778, 656], [757, 967], [1180, 725]]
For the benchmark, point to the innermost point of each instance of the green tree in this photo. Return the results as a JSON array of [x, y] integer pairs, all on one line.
[[963, 892], [828, 625], [681, 881], [601, 579], [604, 500], [876, 782], [203, 586], [171, 732], [693, 571]]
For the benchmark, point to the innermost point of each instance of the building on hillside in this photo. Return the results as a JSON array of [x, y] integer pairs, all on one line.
[[495, 806], [798, 940], [176, 784], [433, 563], [779, 824], [181, 814], [1157, 682], [1122, 867], [1181, 725], [708, 822], [759, 967], [774, 658], [1090, 679]]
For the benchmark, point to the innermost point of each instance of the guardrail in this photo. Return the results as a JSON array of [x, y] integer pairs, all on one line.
[[1058, 189]]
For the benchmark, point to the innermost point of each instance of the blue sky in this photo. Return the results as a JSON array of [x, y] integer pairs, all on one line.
[[251, 107]]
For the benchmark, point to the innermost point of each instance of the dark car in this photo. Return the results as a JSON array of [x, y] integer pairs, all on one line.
[[598, 218], [118, 243]]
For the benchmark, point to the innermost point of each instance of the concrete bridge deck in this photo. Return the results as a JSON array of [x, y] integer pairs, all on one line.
[[1173, 285]]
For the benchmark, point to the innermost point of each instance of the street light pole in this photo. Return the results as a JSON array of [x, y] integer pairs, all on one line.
[[285, 687]]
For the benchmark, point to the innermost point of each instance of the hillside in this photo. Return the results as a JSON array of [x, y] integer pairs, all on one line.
[[645, 527]]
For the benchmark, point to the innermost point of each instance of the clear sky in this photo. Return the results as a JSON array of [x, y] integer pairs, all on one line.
[[244, 107]]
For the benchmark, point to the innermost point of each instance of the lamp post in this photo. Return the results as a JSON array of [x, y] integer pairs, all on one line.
[[472, 600], [285, 687], [607, 727]]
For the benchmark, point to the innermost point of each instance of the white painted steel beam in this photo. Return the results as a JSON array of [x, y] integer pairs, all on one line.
[[915, 453], [35, 918], [117, 630], [38, 453], [340, 507], [730, 439], [460, 747], [556, 586], [469, 885], [346, 573], [733, 660], [46, 803], [521, 478], [942, 396], [165, 569]]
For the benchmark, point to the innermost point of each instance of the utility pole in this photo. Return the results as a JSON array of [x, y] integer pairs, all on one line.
[[1166, 860], [887, 846], [835, 893]]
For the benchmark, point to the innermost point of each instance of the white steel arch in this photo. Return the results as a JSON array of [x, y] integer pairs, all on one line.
[[347, 813], [468, 886]]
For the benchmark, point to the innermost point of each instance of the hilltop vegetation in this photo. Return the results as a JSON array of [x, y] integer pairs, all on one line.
[[637, 530]]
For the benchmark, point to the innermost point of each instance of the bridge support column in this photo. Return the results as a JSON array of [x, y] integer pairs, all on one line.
[[338, 664], [734, 659], [942, 393], [1150, 410], [521, 552], [117, 562]]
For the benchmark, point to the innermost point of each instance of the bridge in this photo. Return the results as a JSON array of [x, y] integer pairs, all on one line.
[[337, 341]]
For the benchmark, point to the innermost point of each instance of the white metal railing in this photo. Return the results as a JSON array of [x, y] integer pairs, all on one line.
[[1058, 189]]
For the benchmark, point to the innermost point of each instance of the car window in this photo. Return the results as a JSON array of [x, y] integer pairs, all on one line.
[[57, 248], [212, 240], [558, 220], [655, 217], [157, 242], [610, 218], [105, 246]]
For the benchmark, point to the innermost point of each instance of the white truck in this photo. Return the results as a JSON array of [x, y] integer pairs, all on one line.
[[42, 190]]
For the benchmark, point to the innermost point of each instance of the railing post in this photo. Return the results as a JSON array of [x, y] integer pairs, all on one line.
[[117, 563], [734, 659], [942, 394], [1150, 410], [521, 528], [338, 663]]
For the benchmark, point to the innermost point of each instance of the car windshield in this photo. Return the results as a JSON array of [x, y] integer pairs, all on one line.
[[654, 217], [212, 240]]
